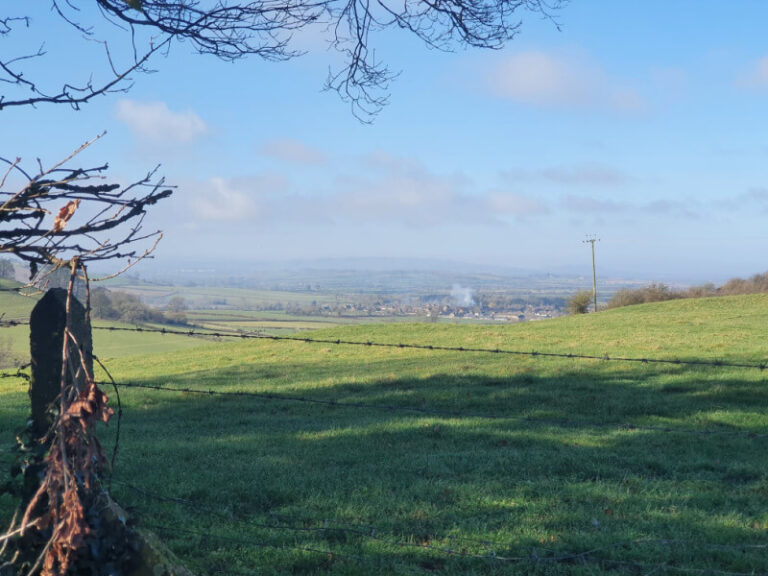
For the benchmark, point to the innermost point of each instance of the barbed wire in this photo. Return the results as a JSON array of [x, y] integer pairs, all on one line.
[[16, 372], [492, 555], [715, 363], [441, 348], [334, 403], [116, 446]]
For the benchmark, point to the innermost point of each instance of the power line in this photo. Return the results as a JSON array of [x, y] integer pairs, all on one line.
[[443, 413]]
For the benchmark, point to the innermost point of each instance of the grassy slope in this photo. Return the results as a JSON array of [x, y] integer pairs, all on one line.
[[14, 306], [574, 478], [14, 341]]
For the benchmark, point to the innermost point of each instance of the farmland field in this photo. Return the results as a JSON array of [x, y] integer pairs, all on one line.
[[365, 460]]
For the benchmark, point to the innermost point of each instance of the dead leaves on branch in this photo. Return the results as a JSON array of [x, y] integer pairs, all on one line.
[[65, 214], [90, 406], [74, 464]]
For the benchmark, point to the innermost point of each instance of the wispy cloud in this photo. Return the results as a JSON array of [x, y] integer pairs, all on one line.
[[753, 199], [221, 200], [390, 190], [756, 76], [601, 206], [293, 151], [545, 80], [594, 205], [155, 122], [517, 205], [578, 175]]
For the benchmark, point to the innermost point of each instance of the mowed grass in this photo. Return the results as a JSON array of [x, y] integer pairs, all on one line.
[[543, 466]]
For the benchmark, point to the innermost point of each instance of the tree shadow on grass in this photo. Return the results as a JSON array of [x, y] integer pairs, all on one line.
[[600, 394], [558, 468]]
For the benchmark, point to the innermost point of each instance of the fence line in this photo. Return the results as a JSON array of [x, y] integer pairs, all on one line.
[[438, 412], [16, 372], [585, 557], [562, 422], [431, 347]]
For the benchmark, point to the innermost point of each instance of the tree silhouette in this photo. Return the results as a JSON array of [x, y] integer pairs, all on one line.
[[231, 30]]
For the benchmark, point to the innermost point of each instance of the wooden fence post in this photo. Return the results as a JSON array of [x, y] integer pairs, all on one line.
[[46, 334]]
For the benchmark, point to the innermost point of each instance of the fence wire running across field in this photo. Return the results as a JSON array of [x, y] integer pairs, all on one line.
[[560, 422], [704, 363], [490, 551]]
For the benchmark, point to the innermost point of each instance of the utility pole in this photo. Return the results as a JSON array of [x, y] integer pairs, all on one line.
[[591, 240]]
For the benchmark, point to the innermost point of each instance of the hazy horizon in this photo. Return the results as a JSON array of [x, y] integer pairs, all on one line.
[[642, 123]]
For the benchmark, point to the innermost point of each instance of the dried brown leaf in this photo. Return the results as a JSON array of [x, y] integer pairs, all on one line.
[[65, 214]]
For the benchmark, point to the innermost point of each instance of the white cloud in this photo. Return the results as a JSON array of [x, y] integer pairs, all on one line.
[[560, 81], [539, 79], [753, 199], [220, 200], [627, 100], [155, 122], [757, 75], [511, 204], [293, 151], [596, 205], [385, 190], [580, 175]]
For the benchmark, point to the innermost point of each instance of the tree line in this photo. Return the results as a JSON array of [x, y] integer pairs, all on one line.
[[659, 292], [124, 307]]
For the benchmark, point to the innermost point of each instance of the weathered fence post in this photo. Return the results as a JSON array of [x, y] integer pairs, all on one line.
[[46, 338]]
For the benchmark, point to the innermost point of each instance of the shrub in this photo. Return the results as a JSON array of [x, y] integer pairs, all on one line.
[[579, 302], [658, 292]]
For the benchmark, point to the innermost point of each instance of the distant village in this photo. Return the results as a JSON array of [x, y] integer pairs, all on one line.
[[437, 310]]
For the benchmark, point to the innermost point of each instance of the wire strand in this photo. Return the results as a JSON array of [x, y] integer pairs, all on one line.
[[561, 422], [716, 363]]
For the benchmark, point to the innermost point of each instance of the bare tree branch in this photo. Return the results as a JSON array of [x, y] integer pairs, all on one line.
[[231, 30], [44, 224]]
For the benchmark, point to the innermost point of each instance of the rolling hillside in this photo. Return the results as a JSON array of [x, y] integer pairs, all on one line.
[[288, 457]]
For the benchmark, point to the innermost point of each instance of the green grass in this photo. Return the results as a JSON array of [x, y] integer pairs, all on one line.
[[645, 469], [217, 296], [14, 306]]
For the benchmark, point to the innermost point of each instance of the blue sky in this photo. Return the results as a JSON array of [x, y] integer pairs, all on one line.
[[641, 122]]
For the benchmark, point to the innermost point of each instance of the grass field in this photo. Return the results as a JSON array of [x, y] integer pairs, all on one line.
[[544, 466], [14, 306]]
